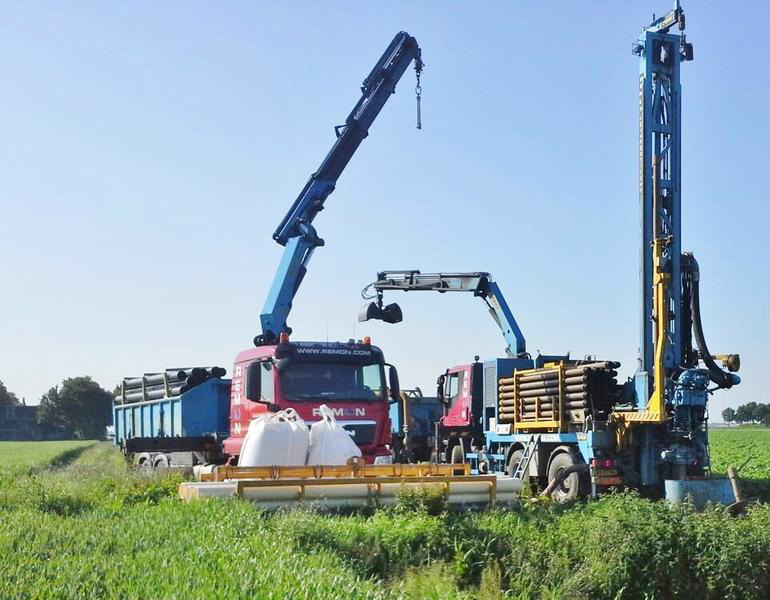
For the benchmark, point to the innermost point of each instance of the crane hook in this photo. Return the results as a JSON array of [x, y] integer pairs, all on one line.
[[418, 93]]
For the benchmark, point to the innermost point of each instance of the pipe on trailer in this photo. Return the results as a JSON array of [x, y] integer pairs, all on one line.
[[545, 398], [153, 395], [548, 384], [569, 372]]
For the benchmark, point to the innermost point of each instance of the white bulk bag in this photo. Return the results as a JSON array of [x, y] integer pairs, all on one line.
[[279, 439], [330, 444]]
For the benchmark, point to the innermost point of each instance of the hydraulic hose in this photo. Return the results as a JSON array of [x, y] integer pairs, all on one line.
[[717, 375], [562, 475]]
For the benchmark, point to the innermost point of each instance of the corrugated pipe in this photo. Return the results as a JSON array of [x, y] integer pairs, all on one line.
[[718, 376]]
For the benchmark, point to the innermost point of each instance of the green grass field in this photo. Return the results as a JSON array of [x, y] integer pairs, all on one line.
[[17, 458], [745, 448], [88, 527]]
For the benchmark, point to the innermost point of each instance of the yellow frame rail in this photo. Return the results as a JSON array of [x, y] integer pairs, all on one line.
[[278, 473]]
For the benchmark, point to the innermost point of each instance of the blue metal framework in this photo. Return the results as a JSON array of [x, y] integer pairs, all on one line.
[[660, 142], [296, 232], [479, 283]]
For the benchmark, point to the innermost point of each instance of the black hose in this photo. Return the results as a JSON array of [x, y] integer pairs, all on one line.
[[562, 475], [717, 375]]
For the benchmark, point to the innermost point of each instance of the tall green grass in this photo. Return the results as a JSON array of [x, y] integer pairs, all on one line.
[[96, 529]]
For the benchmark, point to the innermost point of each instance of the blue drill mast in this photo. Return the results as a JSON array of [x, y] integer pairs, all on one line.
[[670, 312], [660, 141], [296, 232], [671, 389]]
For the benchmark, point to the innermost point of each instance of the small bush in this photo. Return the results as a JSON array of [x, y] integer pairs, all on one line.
[[428, 500]]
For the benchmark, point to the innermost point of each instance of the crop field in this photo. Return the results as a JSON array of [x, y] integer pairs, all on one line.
[[88, 527], [27, 457], [747, 449]]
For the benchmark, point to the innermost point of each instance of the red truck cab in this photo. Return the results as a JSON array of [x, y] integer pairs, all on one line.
[[348, 377], [460, 389], [462, 394]]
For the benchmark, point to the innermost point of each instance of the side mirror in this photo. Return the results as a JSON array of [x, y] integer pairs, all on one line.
[[254, 382], [395, 388]]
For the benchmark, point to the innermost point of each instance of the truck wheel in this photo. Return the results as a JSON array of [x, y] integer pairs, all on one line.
[[161, 462], [144, 461], [458, 456], [572, 487], [514, 461]]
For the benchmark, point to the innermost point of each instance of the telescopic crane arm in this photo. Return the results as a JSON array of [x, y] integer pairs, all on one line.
[[296, 232], [479, 284]]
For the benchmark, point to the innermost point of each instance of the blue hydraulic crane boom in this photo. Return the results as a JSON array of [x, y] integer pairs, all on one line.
[[479, 284], [296, 232]]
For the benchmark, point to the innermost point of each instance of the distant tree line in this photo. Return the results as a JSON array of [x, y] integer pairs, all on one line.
[[753, 413], [7, 398], [79, 408]]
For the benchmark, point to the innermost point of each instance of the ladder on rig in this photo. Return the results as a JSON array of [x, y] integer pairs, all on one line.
[[526, 458]]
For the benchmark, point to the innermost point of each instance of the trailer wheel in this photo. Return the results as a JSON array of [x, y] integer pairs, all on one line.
[[514, 461], [161, 462], [572, 487], [144, 461]]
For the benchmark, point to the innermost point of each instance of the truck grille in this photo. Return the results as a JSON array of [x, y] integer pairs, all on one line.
[[362, 433], [490, 385]]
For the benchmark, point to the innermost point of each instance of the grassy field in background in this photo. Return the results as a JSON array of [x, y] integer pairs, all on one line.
[[26, 457], [746, 449], [88, 527]]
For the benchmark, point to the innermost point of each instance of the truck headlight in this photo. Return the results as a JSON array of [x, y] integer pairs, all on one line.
[[385, 459]]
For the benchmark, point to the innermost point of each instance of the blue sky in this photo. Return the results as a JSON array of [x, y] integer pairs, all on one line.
[[150, 149]]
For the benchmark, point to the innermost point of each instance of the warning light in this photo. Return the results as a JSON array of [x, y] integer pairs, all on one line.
[[367, 341], [283, 338]]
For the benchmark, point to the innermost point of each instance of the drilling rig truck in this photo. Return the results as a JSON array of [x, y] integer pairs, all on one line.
[[570, 424]]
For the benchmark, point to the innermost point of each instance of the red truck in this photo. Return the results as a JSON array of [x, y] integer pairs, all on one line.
[[348, 377], [163, 420]]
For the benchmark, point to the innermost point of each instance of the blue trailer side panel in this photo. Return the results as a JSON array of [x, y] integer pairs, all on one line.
[[204, 410]]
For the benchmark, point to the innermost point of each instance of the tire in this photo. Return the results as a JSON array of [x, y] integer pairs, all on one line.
[[513, 461], [458, 455], [161, 462], [572, 487], [144, 461]]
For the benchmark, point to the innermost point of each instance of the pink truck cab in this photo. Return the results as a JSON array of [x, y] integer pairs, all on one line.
[[348, 377], [460, 390], [457, 393]]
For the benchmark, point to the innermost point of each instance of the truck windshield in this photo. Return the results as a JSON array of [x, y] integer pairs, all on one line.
[[332, 381]]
